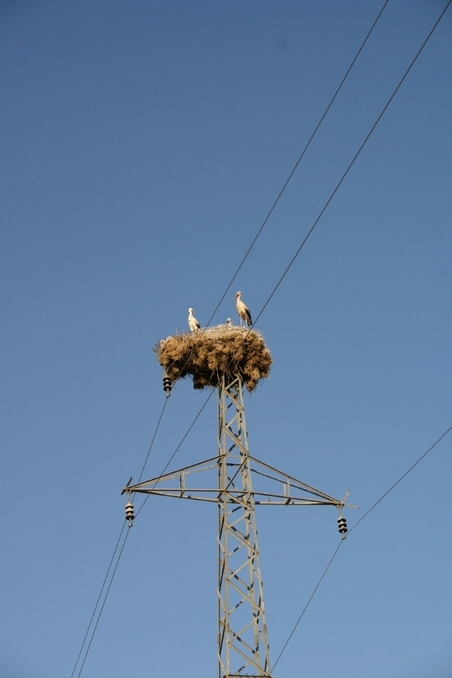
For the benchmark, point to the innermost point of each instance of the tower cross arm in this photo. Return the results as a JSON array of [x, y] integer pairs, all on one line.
[[292, 488], [270, 486]]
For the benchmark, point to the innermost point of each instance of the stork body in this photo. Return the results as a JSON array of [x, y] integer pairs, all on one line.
[[192, 322], [243, 310]]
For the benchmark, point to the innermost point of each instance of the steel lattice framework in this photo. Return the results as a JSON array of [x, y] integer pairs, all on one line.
[[242, 632], [243, 648]]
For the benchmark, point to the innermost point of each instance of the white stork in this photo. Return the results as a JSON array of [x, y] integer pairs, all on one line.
[[192, 322], [243, 310]]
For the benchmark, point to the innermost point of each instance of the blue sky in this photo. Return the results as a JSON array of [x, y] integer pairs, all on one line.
[[142, 146]]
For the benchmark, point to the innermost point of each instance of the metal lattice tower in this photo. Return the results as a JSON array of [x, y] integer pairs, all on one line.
[[242, 633], [243, 648]]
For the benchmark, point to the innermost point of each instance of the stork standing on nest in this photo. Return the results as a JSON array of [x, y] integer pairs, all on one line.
[[243, 310], [192, 322]]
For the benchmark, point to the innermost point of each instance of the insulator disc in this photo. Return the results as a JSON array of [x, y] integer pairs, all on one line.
[[342, 525], [130, 512]]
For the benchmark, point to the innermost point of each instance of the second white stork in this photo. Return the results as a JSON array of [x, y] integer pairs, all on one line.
[[243, 310], [192, 322]]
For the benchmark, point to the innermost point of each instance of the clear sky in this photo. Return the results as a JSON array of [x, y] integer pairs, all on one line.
[[142, 145]]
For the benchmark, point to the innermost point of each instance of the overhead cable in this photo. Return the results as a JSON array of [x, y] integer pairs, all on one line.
[[338, 185], [88, 647], [107, 586], [112, 560], [400, 479], [383, 496], [152, 440], [307, 605], [295, 167], [180, 444], [104, 583]]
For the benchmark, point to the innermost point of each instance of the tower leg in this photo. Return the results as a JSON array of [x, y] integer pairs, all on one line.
[[243, 648]]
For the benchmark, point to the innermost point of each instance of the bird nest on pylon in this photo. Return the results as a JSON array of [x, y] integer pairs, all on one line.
[[208, 354]]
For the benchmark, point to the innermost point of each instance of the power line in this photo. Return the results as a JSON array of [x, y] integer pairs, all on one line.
[[153, 439], [400, 479], [180, 445], [112, 560], [307, 605], [106, 578], [295, 167], [97, 602], [338, 185], [103, 604], [383, 496]]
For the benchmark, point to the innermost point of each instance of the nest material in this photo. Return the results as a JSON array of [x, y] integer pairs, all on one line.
[[208, 354]]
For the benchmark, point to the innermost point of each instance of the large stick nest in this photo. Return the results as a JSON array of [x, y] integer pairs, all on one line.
[[208, 354]]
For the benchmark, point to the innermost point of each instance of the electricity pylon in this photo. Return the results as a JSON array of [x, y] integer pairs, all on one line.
[[243, 648]]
